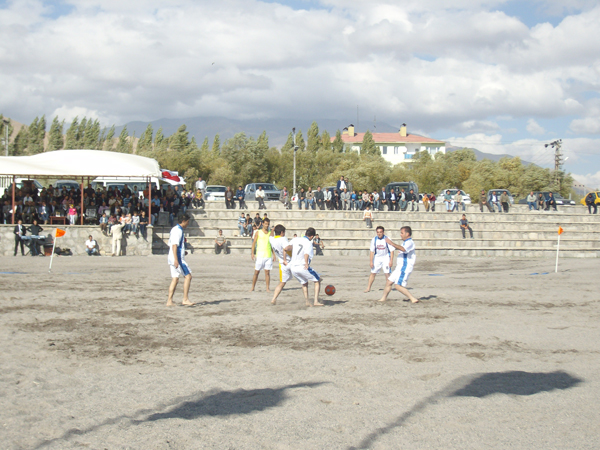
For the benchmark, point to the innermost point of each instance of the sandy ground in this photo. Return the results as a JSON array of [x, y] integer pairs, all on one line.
[[498, 354]]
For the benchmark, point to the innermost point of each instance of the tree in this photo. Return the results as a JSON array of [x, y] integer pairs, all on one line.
[[71, 137], [313, 140], [34, 145], [55, 136], [145, 142], [368, 145], [92, 135], [159, 140], [338, 143], [300, 141], [108, 142], [263, 142], [289, 144], [122, 144], [204, 148], [17, 148], [179, 140], [80, 135], [326, 141], [3, 133], [216, 148]]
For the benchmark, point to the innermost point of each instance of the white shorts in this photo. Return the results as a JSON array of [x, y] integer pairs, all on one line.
[[263, 263], [285, 273], [400, 275], [182, 270], [381, 263], [305, 275]]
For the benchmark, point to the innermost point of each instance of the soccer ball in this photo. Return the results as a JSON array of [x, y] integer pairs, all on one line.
[[330, 290]]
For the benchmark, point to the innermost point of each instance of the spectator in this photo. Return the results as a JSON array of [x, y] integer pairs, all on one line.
[[135, 223], [348, 184], [229, 203], [320, 198], [44, 213], [104, 223], [354, 201], [242, 224], [458, 201], [35, 231], [393, 200], [341, 185], [72, 215], [541, 202], [221, 244], [249, 224], [310, 198], [117, 236], [368, 217], [550, 202], [201, 186], [375, 199], [127, 221], [383, 199], [284, 197], [198, 200], [531, 201], [366, 201], [495, 202], [143, 224], [345, 197], [257, 220], [505, 201], [91, 246], [19, 232], [336, 200], [328, 199], [241, 195], [301, 198], [318, 245], [464, 225], [590, 201], [432, 199], [448, 201], [483, 200], [413, 201], [260, 197], [402, 200], [426, 201]]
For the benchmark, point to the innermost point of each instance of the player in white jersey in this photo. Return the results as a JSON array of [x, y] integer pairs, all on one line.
[[406, 262], [382, 256], [302, 254], [177, 262], [278, 244]]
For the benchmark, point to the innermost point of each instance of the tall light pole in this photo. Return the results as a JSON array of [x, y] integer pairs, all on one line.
[[557, 160], [6, 124], [295, 150]]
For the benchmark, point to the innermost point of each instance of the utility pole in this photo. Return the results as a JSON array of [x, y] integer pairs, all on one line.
[[556, 145], [295, 150]]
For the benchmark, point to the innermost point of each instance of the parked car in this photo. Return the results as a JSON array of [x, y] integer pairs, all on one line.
[[20, 183], [440, 197], [215, 192], [67, 184], [499, 192], [596, 197], [271, 191], [560, 200], [399, 185]]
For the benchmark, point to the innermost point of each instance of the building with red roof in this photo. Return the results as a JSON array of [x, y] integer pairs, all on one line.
[[395, 147]]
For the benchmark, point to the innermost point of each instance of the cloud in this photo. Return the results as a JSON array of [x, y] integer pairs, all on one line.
[[435, 65], [534, 128], [590, 180]]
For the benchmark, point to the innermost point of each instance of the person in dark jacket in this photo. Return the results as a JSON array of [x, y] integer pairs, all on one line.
[[35, 230], [590, 201], [550, 202], [240, 195], [19, 231]]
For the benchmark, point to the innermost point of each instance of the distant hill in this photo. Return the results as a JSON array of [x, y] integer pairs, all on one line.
[[483, 155], [277, 129]]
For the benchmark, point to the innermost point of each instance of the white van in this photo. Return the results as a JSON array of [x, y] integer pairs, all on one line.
[[6, 183], [135, 184]]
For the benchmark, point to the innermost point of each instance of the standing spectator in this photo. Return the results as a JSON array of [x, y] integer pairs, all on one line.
[[117, 236], [104, 222], [221, 244], [368, 217], [341, 185], [458, 201], [310, 198], [19, 231], [382, 199], [590, 201], [241, 195], [328, 198], [504, 200], [91, 246], [413, 201], [320, 198], [393, 200], [229, 203], [201, 186], [242, 224], [135, 223], [260, 197], [541, 202], [375, 199], [35, 230], [345, 197], [72, 215], [284, 197], [432, 199], [550, 202], [143, 224], [483, 200], [531, 201], [403, 200], [464, 225]]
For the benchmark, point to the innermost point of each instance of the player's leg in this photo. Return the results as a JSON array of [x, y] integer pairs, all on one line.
[[305, 292], [406, 292], [386, 291], [268, 279], [317, 290], [278, 290], [371, 280], [172, 287], [187, 281], [254, 279]]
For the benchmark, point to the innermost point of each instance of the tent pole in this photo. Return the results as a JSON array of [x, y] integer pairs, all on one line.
[[81, 212], [14, 185]]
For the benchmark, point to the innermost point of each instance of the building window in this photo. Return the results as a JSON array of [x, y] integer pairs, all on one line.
[[384, 150], [396, 150], [408, 156]]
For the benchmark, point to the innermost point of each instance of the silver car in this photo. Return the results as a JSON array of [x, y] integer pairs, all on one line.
[[215, 192], [271, 191], [466, 197]]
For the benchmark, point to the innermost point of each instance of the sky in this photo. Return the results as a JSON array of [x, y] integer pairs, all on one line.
[[499, 76]]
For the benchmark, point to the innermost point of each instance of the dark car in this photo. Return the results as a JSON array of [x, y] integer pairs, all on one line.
[[499, 192], [560, 200], [399, 185]]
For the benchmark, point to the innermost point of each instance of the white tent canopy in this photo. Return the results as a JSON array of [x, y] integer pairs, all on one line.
[[80, 163]]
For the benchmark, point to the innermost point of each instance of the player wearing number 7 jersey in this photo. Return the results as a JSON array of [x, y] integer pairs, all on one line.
[[302, 254], [278, 243]]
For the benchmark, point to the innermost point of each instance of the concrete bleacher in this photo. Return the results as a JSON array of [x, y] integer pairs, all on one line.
[[519, 233]]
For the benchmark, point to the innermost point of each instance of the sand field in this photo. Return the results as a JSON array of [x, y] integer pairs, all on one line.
[[499, 353]]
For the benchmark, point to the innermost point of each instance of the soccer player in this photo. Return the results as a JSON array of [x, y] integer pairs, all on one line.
[[302, 254], [263, 258], [382, 256], [278, 244], [406, 262], [177, 262]]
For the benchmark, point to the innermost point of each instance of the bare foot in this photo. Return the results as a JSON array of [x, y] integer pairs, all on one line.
[[308, 304], [382, 299], [170, 303], [251, 290], [273, 302], [318, 304], [268, 291], [187, 303], [414, 301], [367, 290]]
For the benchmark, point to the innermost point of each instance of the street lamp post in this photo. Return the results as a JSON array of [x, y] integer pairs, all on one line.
[[295, 150]]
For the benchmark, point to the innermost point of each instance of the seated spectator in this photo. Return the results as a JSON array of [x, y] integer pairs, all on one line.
[[464, 225], [112, 220], [541, 202], [143, 224], [368, 217], [240, 195], [531, 201], [353, 201], [135, 223], [301, 199], [104, 223], [221, 244], [317, 244], [242, 224], [91, 246], [249, 223], [260, 197], [44, 213], [450, 203], [257, 220], [550, 202]]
